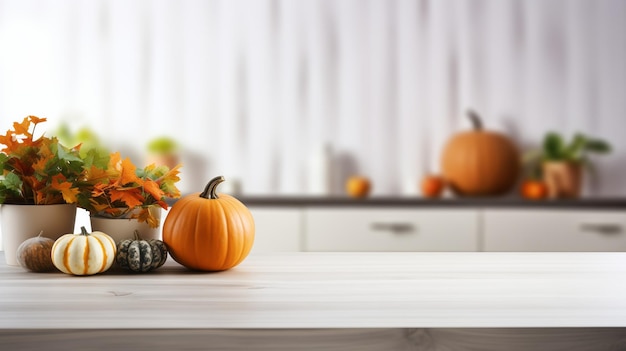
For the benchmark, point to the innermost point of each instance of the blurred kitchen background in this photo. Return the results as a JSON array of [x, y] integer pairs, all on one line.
[[272, 92]]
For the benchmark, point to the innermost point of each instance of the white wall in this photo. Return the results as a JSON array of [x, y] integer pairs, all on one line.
[[253, 88]]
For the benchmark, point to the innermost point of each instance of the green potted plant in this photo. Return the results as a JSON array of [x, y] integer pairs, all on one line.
[[163, 151], [39, 185], [560, 163], [85, 136], [122, 198]]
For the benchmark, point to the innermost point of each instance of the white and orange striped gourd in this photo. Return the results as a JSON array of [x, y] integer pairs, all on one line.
[[83, 253]]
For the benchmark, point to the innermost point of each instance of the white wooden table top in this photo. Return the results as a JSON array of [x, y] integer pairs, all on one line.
[[332, 290]]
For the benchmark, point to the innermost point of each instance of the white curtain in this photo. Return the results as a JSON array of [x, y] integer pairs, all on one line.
[[254, 88]]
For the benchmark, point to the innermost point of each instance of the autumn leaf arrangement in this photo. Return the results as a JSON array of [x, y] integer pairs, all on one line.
[[121, 190], [38, 170], [42, 171]]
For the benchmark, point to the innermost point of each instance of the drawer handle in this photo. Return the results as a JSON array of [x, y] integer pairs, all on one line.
[[396, 228], [602, 228]]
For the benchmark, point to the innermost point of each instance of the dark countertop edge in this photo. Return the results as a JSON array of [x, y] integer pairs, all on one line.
[[305, 201]]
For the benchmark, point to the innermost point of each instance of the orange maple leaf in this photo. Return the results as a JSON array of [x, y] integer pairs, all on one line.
[[128, 175], [145, 215], [60, 184], [152, 188], [45, 156], [95, 174], [99, 189], [10, 142], [22, 128], [40, 197], [40, 165], [114, 211], [36, 119], [162, 203], [114, 159], [131, 196], [97, 206]]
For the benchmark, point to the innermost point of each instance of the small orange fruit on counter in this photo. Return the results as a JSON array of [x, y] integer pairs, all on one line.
[[358, 186], [534, 189], [432, 186]]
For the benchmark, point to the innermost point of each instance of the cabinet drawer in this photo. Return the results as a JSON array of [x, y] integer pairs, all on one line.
[[554, 230], [341, 229]]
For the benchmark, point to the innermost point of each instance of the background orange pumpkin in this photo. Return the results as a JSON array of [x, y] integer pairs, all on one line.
[[480, 162], [534, 189], [432, 186], [207, 232], [358, 186]]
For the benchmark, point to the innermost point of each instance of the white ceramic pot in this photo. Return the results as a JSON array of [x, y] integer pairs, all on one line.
[[21, 222], [124, 228]]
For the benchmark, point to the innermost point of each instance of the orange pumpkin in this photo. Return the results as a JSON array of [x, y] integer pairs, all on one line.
[[358, 186], [432, 186], [480, 162], [534, 189], [207, 232]]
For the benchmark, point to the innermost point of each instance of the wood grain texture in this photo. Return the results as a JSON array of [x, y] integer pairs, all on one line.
[[332, 290], [557, 339], [475, 339], [222, 339]]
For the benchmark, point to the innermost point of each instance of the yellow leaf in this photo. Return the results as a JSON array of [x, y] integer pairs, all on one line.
[[95, 174], [128, 175], [45, 155], [145, 215], [115, 165], [40, 165], [60, 184]]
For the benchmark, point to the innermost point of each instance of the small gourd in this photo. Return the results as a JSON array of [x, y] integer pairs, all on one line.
[[140, 255], [34, 254], [83, 253]]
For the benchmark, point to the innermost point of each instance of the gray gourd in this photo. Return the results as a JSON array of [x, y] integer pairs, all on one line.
[[140, 255]]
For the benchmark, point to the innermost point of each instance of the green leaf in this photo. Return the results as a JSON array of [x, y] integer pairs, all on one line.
[[68, 155], [553, 146], [12, 182], [573, 151], [97, 158], [598, 146]]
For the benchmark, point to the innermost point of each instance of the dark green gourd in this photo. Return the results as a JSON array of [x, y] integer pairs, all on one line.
[[140, 255]]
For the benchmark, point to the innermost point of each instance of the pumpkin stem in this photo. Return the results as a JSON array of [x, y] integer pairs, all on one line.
[[209, 190], [137, 237], [40, 234], [475, 118], [83, 231]]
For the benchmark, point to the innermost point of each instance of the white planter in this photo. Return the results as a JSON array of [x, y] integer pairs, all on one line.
[[124, 228], [21, 222]]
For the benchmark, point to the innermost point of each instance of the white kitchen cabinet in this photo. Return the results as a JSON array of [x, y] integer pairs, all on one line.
[[390, 229], [541, 229], [277, 229]]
